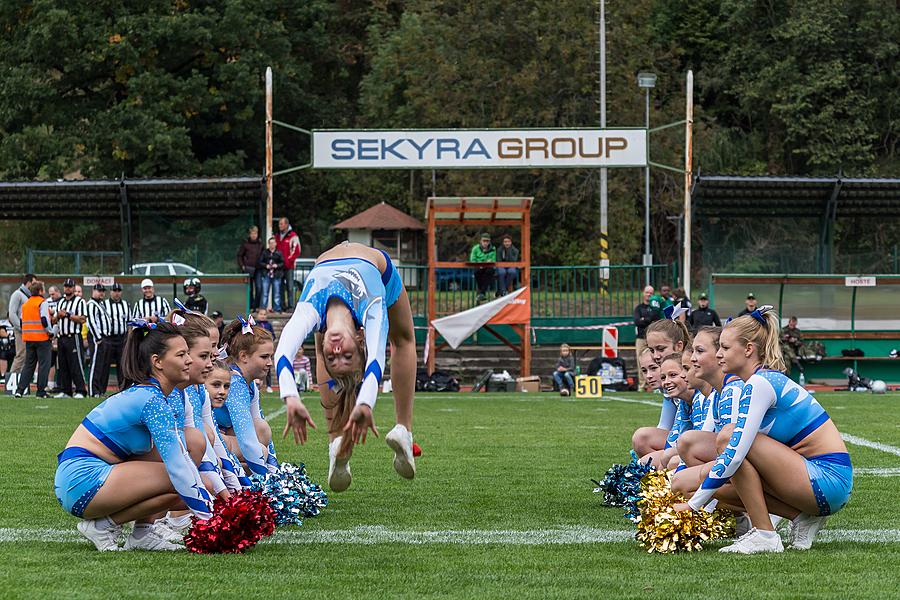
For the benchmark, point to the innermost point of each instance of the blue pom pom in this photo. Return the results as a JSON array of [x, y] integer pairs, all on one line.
[[291, 494], [621, 486]]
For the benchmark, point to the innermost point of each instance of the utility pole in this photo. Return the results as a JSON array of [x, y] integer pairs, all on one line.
[[604, 199]]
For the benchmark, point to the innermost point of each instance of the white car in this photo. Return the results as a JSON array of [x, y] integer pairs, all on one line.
[[163, 268]]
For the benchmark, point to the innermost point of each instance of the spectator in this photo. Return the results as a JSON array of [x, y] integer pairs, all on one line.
[[507, 276], [565, 368], [37, 329], [750, 305], [262, 319], [16, 301], [792, 344], [219, 319], [71, 316], [662, 300], [645, 313], [289, 246], [679, 296], [271, 262], [302, 371], [665, 290], [483, 252], [194, 300], [53, 297], [7, 347], [151, 307], [247, 257], [703, 315]]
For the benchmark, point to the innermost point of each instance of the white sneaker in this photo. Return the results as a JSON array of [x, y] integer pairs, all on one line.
[[78, 395], [104, 539], [755, 542], [803, 530], [268, 390], [60, 395], [180, 525], [401, 442], [339, 477], [167, 533], [152, 541], [742, 525]]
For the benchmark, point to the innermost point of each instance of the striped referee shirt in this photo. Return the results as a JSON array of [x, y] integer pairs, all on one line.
[[98, 319], [72, 306], [155, 307], [52, 307], [118, 316]]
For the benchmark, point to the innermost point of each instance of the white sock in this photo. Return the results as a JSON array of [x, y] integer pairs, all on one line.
[[140, 530], [105, 523], [767, 533]]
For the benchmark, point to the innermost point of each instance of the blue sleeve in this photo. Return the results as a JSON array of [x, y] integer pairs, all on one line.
[[256, 409], [757, 397], [682, 423], [158, 418], [375, 321], [238, 404], [303, 322], [667, 414]]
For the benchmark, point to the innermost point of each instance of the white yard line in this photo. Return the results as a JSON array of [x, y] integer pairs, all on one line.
[[858, 441], [633, 400], [276, 414], [878, 472], [377, 534]]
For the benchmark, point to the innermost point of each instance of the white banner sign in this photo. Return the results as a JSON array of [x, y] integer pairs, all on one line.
[[859, 281], [107, 281], [479, 149]]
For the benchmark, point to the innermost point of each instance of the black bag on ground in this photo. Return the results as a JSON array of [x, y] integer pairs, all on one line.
[[441, 382], [421, 379], [852, 352], [613, 371]]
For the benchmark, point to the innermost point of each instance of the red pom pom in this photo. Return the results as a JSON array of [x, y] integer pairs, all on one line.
[[417, 451], [237, 525]]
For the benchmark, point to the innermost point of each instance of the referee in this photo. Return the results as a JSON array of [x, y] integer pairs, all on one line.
[[117, 311], [71, 316], [99, 332], [150, 307]]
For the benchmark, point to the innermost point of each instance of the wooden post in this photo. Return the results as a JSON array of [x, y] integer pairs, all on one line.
[[269, 165], [688, 176], [432, 289], [526, 280]]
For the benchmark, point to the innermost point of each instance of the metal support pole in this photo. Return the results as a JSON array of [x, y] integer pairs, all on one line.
[[269, 167], [648, 257], [604, 198], [125, 223], [688, 176]]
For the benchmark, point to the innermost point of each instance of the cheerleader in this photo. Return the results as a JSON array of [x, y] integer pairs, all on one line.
[[187, 401], [675, 385], [248, 435], [126, 460], [783, 454], [355, 303], [215, 393], [664, 337]]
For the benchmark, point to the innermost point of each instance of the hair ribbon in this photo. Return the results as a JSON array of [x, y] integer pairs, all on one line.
[[222, 353], [246, 328], [142, 324], [674, 311], [180, 306], [759, 312]]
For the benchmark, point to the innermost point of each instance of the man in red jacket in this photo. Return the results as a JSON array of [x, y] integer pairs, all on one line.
[[289, 247]]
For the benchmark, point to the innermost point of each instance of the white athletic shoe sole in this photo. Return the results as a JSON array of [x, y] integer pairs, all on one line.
[[151, 541], [106, 540], [804, 529], [339, 477], [400, 440], [755, 542]]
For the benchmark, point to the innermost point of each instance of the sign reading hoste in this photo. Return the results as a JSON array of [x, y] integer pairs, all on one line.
[[478, 149], [859, 282]]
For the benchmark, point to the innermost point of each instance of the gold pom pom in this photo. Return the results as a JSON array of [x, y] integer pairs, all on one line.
[[662, 529]]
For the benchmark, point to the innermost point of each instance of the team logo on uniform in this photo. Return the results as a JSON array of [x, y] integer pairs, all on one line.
[[353, 282]]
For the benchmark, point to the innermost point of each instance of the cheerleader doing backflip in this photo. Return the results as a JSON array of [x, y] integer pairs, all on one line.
[[354, 302], [783, 454], [129, 459]]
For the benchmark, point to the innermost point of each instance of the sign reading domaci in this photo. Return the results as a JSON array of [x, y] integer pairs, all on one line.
[[478, 149]]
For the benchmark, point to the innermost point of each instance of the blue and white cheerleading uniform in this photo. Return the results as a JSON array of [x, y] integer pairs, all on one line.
[[682, 421], [367, 292], [130, 423], [773, 404], [238, 413], [722, 405], [193, 396]]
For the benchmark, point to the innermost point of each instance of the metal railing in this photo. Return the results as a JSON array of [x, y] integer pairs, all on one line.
[[556, 291], [73, 262]]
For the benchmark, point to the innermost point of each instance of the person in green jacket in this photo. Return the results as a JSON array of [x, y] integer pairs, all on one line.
[[484, 252]]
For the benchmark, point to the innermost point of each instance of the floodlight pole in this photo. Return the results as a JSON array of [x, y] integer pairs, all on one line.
[[269, 166], [688, 176], [604, 173]]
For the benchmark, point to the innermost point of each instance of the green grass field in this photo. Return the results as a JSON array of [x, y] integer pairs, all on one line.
[[502, 506]]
